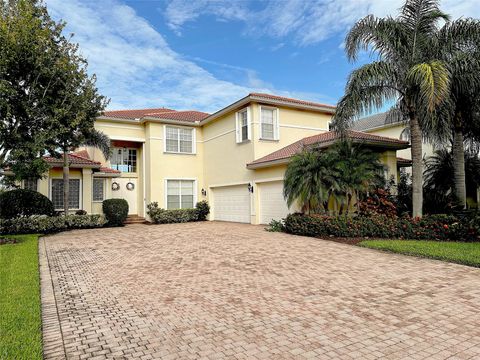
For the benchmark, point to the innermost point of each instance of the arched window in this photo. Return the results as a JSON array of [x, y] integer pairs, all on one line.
[[405, 134]]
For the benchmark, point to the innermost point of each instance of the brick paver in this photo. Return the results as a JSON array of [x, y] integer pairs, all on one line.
[[221, 290]]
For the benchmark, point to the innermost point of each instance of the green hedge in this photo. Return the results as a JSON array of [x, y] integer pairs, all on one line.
[[50, 224], [23, 202], [162, 216], [432, 227], [116, 211]]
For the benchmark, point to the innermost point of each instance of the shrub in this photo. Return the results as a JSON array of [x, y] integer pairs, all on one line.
[[276, 226], [80, 212], [116, 211], [162, 216], [433, 227], [41, 224], [203, 209], [23, 202]]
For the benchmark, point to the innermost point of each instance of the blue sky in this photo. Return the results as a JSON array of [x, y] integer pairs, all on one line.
[[206, 54]]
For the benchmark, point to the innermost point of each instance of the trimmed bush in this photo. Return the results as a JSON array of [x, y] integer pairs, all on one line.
[[433, 227], [116, 211], [162, 216], [23, 202], [41, 224], [203, 209]]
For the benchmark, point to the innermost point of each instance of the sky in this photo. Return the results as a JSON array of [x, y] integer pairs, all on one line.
[[205, 54]]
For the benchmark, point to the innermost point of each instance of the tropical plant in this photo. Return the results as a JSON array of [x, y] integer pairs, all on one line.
[[339, 174], [458, 45], [308, 181], [439, 183], [405, 73]]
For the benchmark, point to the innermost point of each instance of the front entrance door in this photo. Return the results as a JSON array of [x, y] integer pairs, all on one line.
[[128, 190]]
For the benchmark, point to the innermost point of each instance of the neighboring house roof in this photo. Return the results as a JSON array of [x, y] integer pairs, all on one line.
[[373, 122], [325, 140], [402, 162]]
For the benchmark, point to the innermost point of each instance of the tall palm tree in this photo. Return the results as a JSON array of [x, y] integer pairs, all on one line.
[[405, 74], [458, 45], [93, 138]]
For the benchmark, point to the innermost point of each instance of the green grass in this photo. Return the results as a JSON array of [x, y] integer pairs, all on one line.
[[20, 319], [457, 252]]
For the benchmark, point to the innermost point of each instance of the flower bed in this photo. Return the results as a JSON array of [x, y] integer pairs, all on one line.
[[433, 227]]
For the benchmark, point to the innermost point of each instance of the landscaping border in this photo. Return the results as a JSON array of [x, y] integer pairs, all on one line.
[[52, 337]]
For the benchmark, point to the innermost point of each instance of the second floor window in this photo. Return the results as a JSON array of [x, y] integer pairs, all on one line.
[[269, 123], [124, 160], [243, 126], [179, 140]]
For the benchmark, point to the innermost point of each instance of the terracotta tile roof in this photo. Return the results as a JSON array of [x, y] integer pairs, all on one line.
[[290, 100], [73, 158], [134, 114], [189, 115], [108, 170], [324, 140], [403, 162]]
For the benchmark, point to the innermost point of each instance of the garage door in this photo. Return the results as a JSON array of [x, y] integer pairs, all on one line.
[[272, 203], [231, 203]]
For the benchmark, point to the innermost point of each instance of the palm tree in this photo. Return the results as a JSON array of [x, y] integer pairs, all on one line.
[[405, 74], [458, 45], [357, 171], [441, 185], [305, 181], [342, 173], [93, 138]]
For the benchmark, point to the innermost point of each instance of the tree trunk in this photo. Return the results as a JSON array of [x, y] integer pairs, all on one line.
[[66, 181], [417, 166], [459, 162]]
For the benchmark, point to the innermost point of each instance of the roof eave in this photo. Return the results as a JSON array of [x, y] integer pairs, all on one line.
[[106, 175], [169, 121], [265, 164], [76, 166]]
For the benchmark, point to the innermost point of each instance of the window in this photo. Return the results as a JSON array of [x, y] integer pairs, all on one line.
[[57, 194], [30, 184], [269, 123], [98, 189], [243, 125], [179, 140], [405, 134], [180, 194], [124, 160]]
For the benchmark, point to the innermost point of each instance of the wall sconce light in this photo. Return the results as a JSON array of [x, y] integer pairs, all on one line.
[[204, 192], [250, 188]]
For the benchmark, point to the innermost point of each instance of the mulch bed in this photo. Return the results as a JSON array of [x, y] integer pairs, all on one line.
[[344, 240]]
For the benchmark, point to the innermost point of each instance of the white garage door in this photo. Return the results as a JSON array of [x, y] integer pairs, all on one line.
[[272, 203], [231, 203]]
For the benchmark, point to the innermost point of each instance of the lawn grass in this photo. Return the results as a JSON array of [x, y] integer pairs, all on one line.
[[20, 319], [457, 252]]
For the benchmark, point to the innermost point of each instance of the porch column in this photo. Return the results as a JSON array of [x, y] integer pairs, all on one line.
[[87, 188]]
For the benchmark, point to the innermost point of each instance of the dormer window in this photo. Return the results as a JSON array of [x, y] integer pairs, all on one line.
[[243, 130], [269, 127]]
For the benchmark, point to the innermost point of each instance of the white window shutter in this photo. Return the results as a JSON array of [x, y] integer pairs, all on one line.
[[164, 138], [276, 127], [260, 132], [238, 134], [249, 124]]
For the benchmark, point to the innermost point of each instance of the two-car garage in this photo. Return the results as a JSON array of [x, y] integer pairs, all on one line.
[[233, 203]]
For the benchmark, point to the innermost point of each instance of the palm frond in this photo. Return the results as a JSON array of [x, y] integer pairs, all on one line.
[[100, 141]]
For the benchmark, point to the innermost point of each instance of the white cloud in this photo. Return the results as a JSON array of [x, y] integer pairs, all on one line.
[[136, 67], [307, 21]]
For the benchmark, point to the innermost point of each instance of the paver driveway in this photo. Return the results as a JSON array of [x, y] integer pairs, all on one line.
[[222, 290]]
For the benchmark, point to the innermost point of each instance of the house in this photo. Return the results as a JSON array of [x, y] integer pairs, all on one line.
[[235, 158]]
